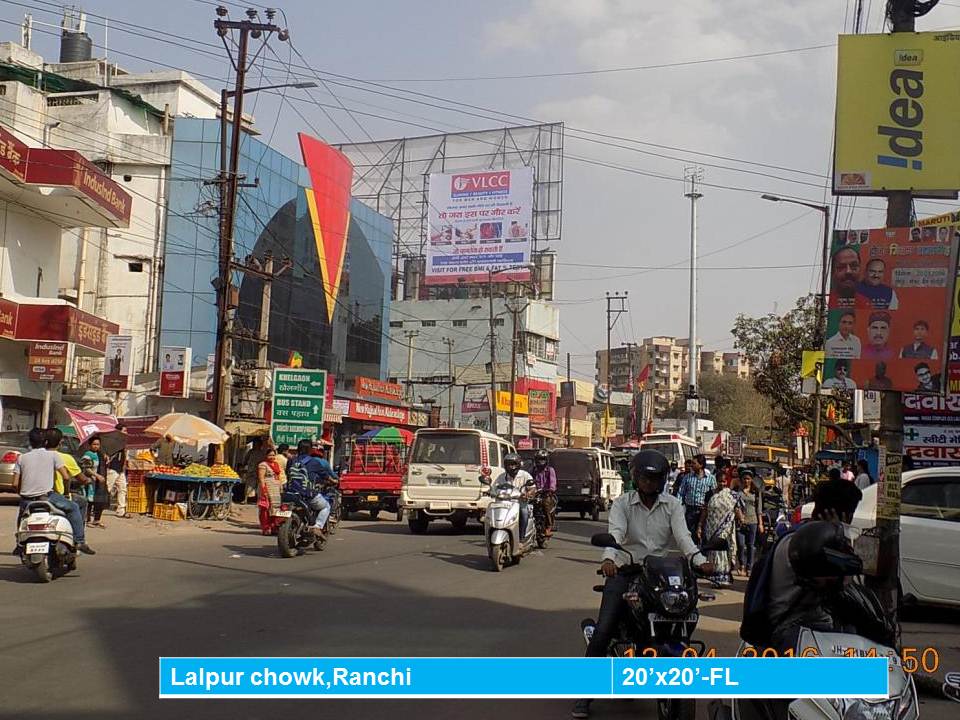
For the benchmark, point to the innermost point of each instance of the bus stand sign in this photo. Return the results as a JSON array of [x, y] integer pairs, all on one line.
[[299, 396]]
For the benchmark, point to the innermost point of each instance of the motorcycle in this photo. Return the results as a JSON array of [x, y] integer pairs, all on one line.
[[662, 597], [331, 491], [296, 533], [501, 524], [46, 543], [540, 512]]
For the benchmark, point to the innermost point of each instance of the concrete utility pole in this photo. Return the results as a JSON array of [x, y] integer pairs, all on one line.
[[569, 408], [613, 314], [693, 176], [449, 343], [493, 359], [634, 391], [515, 311], [410, 335]]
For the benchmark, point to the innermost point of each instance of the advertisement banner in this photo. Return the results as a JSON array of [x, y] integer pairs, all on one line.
[[134, 426], [175, 371], [370, 388], [47, 361], [890, 300], [8, 319], [116, 363], [898, 114], [540, 405], [520, 403], [475, 399], [931, 429], [479, 222]]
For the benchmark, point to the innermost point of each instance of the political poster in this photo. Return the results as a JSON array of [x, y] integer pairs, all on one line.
[[479, 222], [116, 363], [891, 293], [175, 371]]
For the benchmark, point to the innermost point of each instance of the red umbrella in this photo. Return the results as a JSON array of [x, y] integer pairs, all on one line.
[[90, 423]]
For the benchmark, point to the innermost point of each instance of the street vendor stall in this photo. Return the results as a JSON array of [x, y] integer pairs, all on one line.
[[195, 491]]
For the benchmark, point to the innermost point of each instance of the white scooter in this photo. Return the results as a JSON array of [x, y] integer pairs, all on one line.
[[902, 703], [45, 539], [501, 525]]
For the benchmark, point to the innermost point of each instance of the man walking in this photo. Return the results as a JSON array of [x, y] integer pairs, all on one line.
[[693, 493], [33, 477]]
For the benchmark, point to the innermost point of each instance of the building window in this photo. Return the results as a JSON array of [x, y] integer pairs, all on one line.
[[428, 323], [396, 323], [459, 323], [498, 322], [135, 266]]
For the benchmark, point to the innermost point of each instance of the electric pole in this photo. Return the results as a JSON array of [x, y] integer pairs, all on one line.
[[229, 183], [634, 390], [613, 314], [693, 176], [515, 311], [449, 343], [410, 335], [569, 407], [493, 359]]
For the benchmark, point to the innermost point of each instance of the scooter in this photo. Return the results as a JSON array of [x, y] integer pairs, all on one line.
[[501, 525], [46, 543], [662, 598]]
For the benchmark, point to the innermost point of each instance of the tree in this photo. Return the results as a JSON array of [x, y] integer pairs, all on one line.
[[774, 345], [734, 404]]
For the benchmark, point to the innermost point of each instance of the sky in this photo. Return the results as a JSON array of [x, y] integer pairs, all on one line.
[[760, 124]]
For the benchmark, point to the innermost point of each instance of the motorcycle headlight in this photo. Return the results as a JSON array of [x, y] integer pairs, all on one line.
[[864, 710], [675, 601]]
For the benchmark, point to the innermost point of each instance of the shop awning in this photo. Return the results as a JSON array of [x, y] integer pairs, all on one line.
[[54, 321]]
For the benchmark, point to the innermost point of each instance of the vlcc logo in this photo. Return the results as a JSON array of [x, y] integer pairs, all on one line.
[[905, 131], [480, 184]]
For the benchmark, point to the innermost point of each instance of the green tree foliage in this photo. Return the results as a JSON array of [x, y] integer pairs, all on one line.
[[734, 404]]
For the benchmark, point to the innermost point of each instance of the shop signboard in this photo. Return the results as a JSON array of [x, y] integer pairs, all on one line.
[[116, 363], [475, 399], [298, 401], [375, 412], [8, 319], [175, 371], [377, 389], [890, 302], [479, 223], [47, 361], [520, 403]]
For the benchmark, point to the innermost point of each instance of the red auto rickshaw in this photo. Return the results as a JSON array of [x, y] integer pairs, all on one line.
[[378, 461]]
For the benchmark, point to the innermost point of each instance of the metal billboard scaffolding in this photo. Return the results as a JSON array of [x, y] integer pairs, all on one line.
[[393, 177]]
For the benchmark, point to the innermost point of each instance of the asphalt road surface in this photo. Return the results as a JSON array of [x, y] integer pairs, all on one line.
[[86, 645]]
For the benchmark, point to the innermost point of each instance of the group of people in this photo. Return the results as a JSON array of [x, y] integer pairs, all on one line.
[[809, 565]]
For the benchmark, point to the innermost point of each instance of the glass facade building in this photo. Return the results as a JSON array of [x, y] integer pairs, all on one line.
[[271, 218]]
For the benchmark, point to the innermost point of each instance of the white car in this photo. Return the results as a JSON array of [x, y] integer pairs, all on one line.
[[929, 533]]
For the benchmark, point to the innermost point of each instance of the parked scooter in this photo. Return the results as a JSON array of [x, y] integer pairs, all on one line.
[[46, 543], [501, 525], [662, 598]]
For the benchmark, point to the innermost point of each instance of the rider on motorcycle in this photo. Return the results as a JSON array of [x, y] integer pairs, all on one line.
[[546, 480], [645, 521], [520, 479], [306, 475]]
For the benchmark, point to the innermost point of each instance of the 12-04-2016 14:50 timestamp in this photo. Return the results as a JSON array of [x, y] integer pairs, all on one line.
[[913, 659]]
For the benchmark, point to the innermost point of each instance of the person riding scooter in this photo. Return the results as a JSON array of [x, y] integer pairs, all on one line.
[[645, 521], [305, 477], [513, 475], [546, 480]]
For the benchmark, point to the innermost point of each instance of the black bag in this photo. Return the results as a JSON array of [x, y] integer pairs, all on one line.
[[756, 628]]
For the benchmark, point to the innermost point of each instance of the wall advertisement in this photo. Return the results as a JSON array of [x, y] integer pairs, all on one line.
[[175, 371], [891, 294], [116, 363], [479, 222]]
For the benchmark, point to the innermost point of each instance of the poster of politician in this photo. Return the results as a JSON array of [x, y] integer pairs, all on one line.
[[479, 222], [116, 363], [891, 294]]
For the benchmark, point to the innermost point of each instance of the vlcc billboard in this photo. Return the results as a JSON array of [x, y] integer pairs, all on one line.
[[898, 114], [479, 222]]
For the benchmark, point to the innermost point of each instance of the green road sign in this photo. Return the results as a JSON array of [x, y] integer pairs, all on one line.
[[298, 403]]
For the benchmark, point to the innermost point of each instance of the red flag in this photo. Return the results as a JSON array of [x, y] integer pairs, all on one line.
[[644, 374], [717, 441]]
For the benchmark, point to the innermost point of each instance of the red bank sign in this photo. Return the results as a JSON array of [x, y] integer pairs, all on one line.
[[483, 184]]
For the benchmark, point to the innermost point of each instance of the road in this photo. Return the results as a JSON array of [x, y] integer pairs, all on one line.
[[157, 588]]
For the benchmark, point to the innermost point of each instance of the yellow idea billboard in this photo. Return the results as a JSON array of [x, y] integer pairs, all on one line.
[[898, 114]]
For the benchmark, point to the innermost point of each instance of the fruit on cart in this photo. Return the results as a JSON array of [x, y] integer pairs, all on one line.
[[145, 455], [167, 470], [222, 471], [196, 470]]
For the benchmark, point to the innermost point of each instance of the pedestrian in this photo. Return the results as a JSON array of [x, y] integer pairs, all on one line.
[[54, 438], [33, 480], [163, 449], [835, 498], [863, 479], [80, 484], [270, 481], [627, 479], [847, 472], [678, 480], [693, 492], [117, 478], [98, 496], [255, 455], [720, 524], [751, 521]]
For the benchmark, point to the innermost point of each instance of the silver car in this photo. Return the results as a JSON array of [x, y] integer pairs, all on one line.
[[15, 442]]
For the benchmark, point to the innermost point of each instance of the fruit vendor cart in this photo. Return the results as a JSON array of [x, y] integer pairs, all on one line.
[[198, 492]]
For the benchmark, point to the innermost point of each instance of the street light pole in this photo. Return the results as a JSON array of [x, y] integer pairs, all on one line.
[[821, 304]]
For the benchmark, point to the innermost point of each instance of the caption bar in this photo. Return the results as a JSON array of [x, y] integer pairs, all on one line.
[[197, 677]]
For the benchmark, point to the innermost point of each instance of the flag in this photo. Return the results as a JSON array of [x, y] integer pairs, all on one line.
[[296, 360], [642, 377], [717, 441]]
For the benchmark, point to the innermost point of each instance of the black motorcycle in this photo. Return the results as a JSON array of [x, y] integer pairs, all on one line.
[[662, 596], [540, 504], [296, 533]]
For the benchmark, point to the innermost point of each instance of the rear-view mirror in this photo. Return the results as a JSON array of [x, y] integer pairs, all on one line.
[[605, 540]]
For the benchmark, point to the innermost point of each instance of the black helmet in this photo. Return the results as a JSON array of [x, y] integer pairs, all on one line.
[[541, 457], [820, 549], [511, 463], [651, 465]]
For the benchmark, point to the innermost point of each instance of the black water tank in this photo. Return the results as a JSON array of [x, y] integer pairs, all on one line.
[[75, 47]]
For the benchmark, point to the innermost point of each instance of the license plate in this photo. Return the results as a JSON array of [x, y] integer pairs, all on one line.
[[38, 548], [373, 498], [283, 513], [584, 491], [435, 480], [691, 618]]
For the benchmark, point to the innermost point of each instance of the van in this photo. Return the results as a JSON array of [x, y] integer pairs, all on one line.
[[442, 480], [677, 448], [588, 480]]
